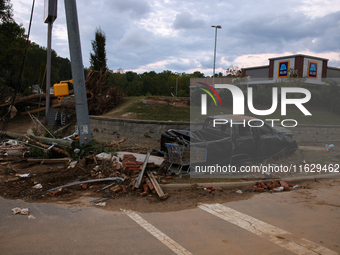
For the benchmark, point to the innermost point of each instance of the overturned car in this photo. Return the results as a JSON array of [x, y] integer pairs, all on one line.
[[232, 139]]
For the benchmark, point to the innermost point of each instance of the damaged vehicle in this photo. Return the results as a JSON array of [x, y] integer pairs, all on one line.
[[247, 139]]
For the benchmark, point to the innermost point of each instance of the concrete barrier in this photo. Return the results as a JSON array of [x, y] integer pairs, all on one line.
[[142, 132], [148, 132]]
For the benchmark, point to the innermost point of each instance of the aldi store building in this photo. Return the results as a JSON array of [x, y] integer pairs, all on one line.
[[314, 69]]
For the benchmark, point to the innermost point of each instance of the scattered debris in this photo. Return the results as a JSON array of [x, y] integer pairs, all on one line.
[[329, 147], [38, 186], [273, 185], [116, 145], [72, 164], [54, 193], [103, 98], [158, 161], [89, 181], [103, 204], [31, 217], [23, 211], [23, 175], [239, 192], [106, 157]]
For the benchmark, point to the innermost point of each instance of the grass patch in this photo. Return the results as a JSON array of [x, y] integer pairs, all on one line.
[[121, 109], [159, 112], [141, 111]]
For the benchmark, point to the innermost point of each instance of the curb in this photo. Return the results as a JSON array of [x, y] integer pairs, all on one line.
[[231, 185]]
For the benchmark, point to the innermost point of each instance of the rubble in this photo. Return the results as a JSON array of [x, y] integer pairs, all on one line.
[[129, 176], [38, 186], [23, 211], [102, 204], [273, 185]]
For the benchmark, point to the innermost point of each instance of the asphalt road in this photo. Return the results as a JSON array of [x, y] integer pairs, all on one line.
[[303, 221]]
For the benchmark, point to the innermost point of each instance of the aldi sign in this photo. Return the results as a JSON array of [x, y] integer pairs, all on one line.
[[312, 69], [283, 69]]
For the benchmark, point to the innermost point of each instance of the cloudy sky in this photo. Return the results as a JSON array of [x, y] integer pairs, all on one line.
[[157, 35]]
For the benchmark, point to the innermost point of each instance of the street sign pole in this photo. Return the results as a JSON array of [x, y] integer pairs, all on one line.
[[50, 15]]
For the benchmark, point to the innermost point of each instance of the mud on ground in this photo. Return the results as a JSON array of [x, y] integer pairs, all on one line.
[[50, 176], [54, 175]]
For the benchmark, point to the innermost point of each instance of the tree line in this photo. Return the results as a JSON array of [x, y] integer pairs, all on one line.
[[12, 47]]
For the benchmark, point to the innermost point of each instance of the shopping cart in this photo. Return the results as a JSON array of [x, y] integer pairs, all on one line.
[[184, 156]]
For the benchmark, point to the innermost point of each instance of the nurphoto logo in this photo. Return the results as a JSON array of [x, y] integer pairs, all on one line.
[[238, 100]]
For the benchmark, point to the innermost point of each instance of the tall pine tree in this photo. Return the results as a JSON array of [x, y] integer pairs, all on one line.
[[98, 57]]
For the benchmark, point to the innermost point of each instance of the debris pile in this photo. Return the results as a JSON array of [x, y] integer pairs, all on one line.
[[20, 148], [103, 98], [106, 174], [211, 189], [23, 211], [27, 104], [273, 185], [12, 148]]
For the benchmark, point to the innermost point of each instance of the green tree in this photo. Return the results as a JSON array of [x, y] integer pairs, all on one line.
[[12, 44], [6, 12], [198, 74], [234, 72], [98, 57]]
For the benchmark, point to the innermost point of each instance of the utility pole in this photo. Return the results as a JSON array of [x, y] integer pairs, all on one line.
[[50, 16], [83, 120]]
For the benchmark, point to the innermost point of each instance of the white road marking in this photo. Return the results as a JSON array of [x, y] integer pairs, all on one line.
[[171, 244], [265, 230]]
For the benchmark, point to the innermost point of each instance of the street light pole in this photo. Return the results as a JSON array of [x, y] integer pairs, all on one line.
[[216, 27]]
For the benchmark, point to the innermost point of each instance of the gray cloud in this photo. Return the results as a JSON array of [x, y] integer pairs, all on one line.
[[140, 33], [135, 8], [186, 20]]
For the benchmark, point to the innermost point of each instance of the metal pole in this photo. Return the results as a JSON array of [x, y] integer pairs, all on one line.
[[216, 27], [48, 68], [83, 121], [213, 85]]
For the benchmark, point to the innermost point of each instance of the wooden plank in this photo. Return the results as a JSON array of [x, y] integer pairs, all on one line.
[[151, 187], [40, 109], [52, 160], [156, 185]]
